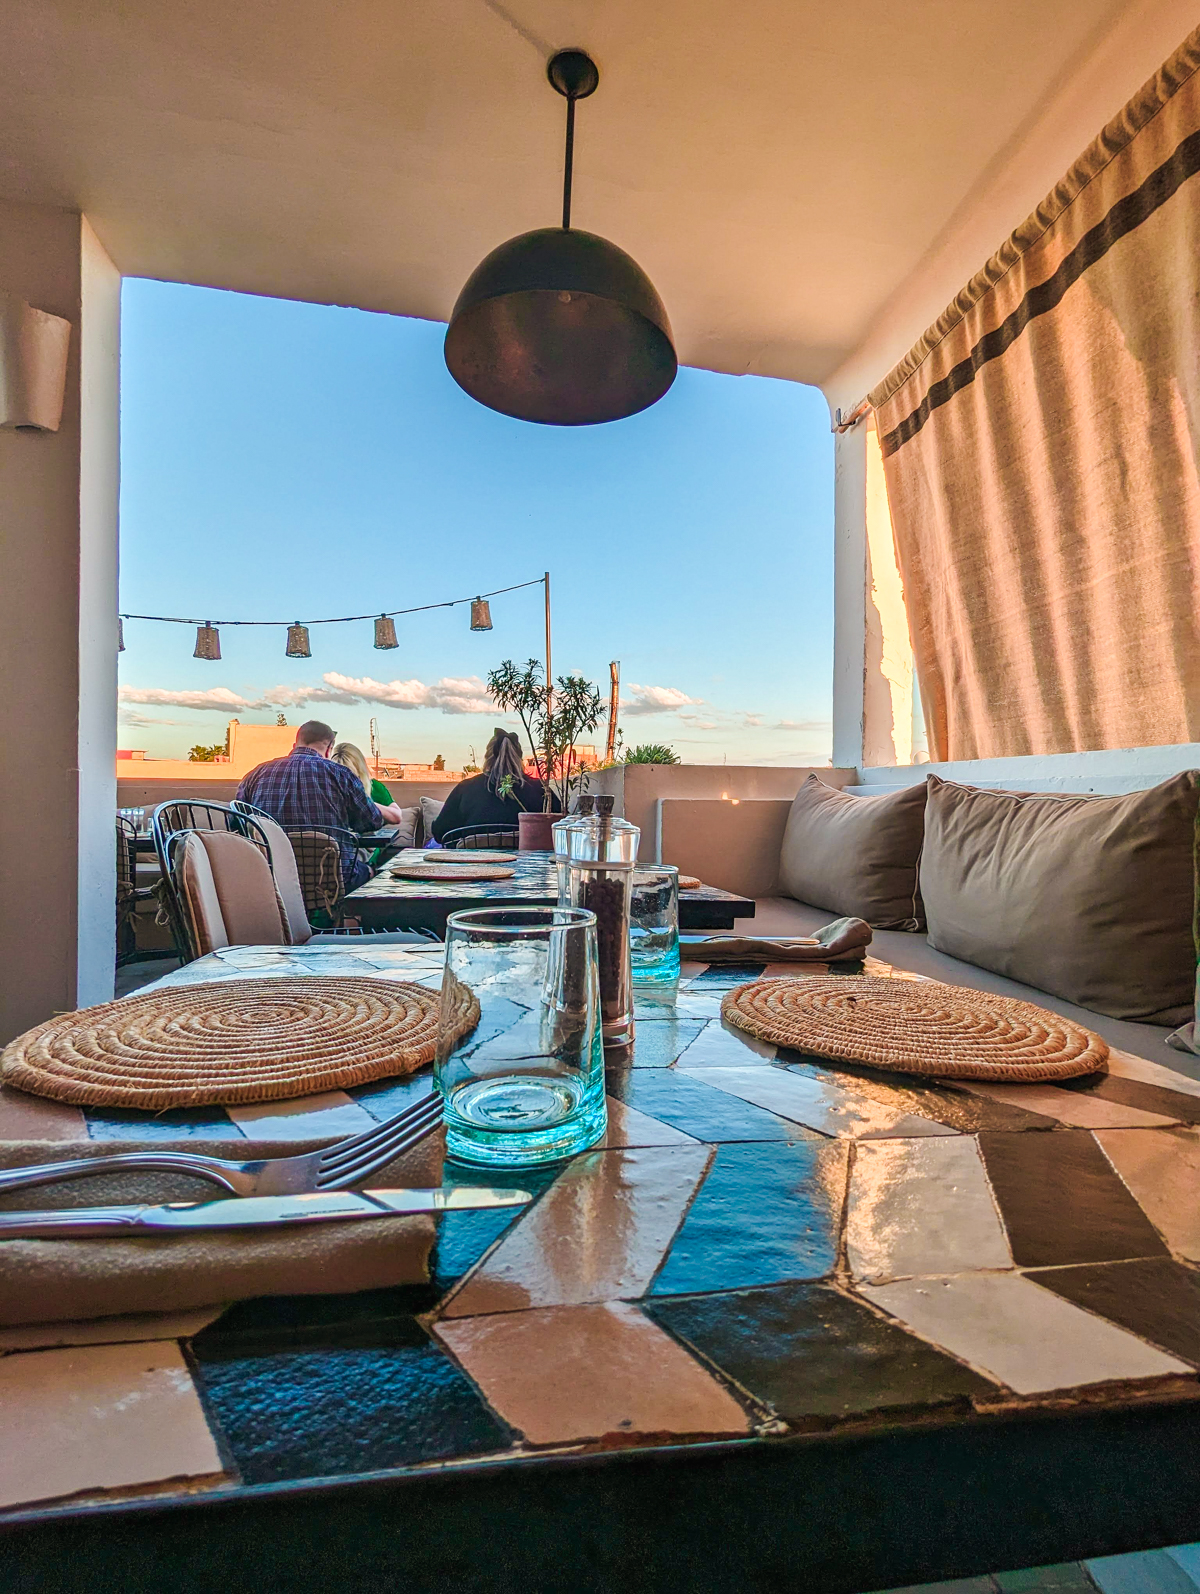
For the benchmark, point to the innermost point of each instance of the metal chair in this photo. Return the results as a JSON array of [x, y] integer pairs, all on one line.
[[129, 894], [472, 836], [173, 819]]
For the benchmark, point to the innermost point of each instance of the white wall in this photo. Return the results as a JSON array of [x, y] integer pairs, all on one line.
[[57, 640]]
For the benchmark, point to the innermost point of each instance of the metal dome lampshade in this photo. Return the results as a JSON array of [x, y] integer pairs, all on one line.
[[558, 325]]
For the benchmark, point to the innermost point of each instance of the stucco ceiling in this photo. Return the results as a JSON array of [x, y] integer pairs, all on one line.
[[777, 166]]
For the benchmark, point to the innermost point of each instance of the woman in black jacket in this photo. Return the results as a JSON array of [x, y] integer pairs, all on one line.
[[478, 802]]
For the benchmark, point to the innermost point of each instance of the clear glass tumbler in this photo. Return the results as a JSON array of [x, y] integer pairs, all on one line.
[[524, 1085], [654, 925]]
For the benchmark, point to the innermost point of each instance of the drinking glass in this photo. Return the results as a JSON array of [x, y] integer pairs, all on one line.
[[654, 925], [526, 1084]]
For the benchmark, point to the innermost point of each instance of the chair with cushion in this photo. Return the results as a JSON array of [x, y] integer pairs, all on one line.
[[307, 868], [225, 891], [472, 836]]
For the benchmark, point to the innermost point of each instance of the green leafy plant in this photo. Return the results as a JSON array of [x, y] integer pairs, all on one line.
[[552, 730], [206, 755], [651, 753]]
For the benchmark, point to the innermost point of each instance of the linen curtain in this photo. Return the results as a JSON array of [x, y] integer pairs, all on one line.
[[1040, 453]]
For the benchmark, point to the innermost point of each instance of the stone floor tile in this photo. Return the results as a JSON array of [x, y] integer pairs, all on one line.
[[1154, 1297], [1063, 1577], [99, 1417], [1125, 1065], [629, 1127], [956, 1585], [26, 1117], [807, 1351], [1061, 1202], [137, 1327], [1074, 1108], [330, 1112], [700, 1110], [721, 1046], [568, 1373], [1162, 1169], [1026, 1337], [598, 1234], [1188, 1557], [1175, 1105], [310, 1414], [921, 1206], [658, 1044], [174, 1123], [818, 1103], [941, 1101], [765, 1213], [1146, 1572]]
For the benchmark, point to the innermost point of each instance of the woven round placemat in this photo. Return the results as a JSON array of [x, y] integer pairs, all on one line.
[[232, 1041], [447, 871], [454, 856], [690, 882], [915, 1027]]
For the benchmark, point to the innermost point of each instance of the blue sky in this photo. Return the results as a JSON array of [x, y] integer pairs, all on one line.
[[292, 461]]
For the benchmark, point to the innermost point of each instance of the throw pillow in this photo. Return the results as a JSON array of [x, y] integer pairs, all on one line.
[[430, 809], [855, 855], [1089, 898]]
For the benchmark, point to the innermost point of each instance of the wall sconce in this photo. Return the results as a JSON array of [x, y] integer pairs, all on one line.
[[33, 366]]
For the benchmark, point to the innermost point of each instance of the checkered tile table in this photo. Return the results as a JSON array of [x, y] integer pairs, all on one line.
[[764, 1251]]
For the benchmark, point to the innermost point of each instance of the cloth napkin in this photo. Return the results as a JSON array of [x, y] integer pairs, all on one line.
[[841, 941], [49, 1281]]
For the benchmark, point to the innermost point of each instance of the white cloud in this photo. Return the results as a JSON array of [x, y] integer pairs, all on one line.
[[217, 697], [655, 700], [450, 695]]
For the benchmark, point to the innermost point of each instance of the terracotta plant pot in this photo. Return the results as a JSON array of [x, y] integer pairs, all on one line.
[[534, 831]]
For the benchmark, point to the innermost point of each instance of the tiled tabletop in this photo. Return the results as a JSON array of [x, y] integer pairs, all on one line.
[[764, 1249], [387, 903]]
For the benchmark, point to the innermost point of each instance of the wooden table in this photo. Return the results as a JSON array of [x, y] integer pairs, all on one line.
[[385, 903], [790, 1327]]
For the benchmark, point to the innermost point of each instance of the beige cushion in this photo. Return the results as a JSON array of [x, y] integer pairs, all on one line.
[[409, 826], [1089, 898], [855, 855], [251, 910], [199, 893], [430, 809], [287, 879]]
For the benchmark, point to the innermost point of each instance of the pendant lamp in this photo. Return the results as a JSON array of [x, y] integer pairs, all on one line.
[[385, 632], [297, 642], [481, 614], [208, 642], [558, 325]]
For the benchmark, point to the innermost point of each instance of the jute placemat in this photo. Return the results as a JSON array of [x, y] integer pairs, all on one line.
[[446, 871], [690, 882], [454, 856], [233, 1041], [915, 1027]]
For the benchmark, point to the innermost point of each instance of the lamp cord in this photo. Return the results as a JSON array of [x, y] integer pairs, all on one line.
[[569, 163]]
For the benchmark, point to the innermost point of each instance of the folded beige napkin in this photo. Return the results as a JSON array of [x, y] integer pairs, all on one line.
[[47, 1281], [841, 941]]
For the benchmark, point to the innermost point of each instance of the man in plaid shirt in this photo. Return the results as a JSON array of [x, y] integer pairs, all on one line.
[[307, 791]]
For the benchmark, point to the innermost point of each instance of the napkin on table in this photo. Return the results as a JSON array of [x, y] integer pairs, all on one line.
[[841, 941]]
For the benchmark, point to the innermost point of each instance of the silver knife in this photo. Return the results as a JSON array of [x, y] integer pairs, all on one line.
[[254, 1212]]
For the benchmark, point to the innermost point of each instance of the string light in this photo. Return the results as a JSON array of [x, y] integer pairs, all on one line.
[[208, 640]]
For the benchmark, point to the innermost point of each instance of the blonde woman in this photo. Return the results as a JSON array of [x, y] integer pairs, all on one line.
[[351, 756]]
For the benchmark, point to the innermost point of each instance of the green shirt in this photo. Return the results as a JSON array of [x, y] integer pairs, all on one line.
[[379, 792]]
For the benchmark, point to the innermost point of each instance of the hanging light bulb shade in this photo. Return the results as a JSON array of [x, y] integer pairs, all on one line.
[[558, 325], [481, 615], [208, 642], [297, 642], [120, 635], [385, 632]]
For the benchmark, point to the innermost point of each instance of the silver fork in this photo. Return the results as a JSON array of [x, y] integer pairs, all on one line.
[[337, 1167]]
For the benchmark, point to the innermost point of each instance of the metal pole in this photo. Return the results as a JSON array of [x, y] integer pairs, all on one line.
[[614, 677], [549, 688]]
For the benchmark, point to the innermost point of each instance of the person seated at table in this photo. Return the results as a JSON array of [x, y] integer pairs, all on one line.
[[346, 753], [493, 800], [308, 791]]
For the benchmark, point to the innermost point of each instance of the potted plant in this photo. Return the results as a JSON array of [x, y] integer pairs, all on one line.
[[553, 724]]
